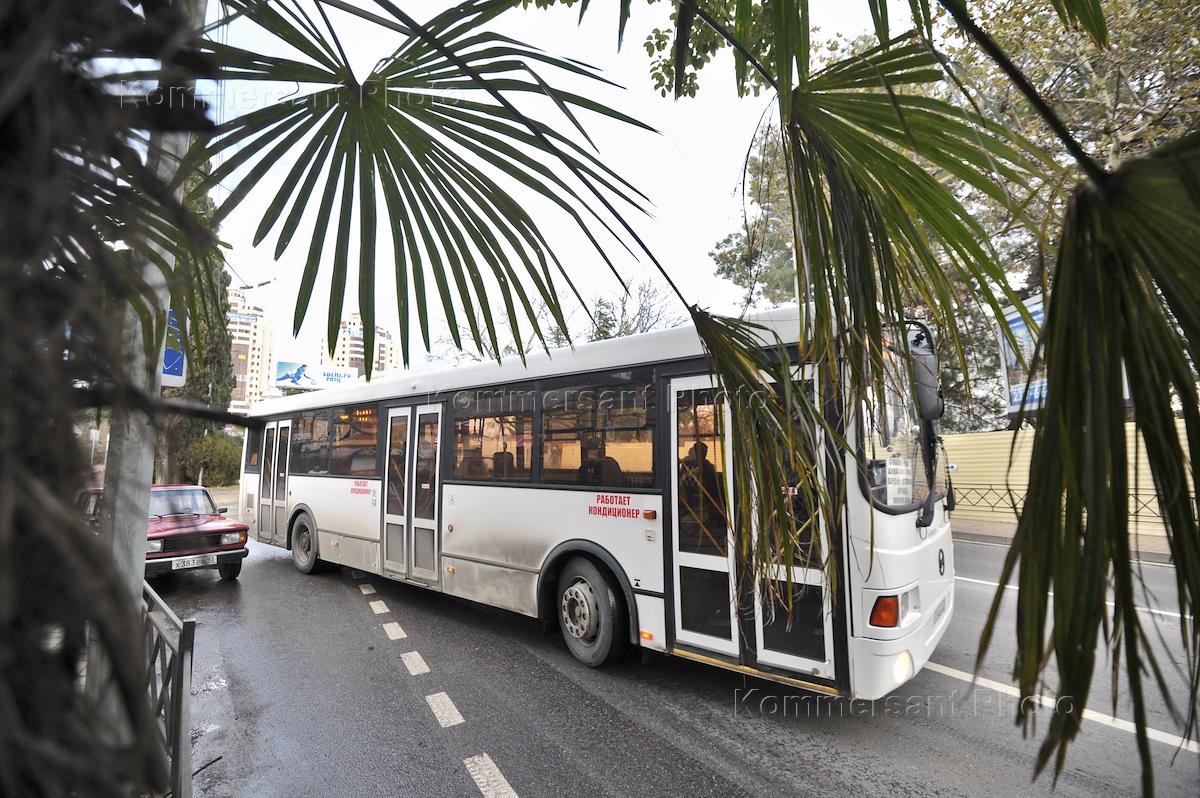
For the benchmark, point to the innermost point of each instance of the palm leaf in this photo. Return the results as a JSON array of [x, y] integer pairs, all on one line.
[[432, 128], [1125, 309]]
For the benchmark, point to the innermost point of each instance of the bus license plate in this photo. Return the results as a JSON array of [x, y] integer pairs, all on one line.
[[193, 562]]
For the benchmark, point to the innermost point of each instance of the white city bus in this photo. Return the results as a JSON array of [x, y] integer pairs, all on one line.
[[582, 488]]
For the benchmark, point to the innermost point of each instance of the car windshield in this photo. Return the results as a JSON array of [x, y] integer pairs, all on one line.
[[185, 501]]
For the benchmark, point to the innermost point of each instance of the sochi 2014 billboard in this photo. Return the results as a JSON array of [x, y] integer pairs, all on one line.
[[306, 377], [1015, 365]]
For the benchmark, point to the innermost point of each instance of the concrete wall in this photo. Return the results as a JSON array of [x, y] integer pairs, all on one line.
[[984, 476]]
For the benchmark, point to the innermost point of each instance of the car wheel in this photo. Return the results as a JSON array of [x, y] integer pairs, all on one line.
[[590, 613], [304, 544], [230, 570]]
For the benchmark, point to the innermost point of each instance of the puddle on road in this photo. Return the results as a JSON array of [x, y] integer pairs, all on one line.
[[211, 684]]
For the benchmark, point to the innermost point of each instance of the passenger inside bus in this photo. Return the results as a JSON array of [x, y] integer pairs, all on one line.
[[597, 467], [702, 503], [504, 466]]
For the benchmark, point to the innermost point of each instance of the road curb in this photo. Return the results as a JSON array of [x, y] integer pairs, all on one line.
[[1160, 558]]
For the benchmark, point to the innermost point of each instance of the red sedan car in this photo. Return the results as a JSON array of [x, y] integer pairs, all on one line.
[[186, 530]]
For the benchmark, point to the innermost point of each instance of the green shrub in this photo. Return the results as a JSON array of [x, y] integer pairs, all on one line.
[[218, 454]]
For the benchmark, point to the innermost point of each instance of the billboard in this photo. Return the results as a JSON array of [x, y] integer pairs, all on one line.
[[297, 375], [174, 364], [1016, 374]]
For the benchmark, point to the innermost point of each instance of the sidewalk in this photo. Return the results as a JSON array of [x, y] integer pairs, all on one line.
[[1149, 548]]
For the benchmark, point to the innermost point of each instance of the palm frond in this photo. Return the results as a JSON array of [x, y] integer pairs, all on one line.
[[782, 493], [431, 129], [81, 113], [1125, 310], [876, 236], [1086, 14], [876, 233]]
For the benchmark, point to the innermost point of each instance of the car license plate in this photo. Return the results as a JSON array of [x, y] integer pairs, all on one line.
[[193, 562]]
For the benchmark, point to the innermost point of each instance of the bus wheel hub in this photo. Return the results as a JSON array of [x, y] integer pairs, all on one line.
[[579, 614]]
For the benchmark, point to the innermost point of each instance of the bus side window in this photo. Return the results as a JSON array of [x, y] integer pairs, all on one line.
[[600, 436], [310, 443], [494, 448], [253, 448], [355, 442]]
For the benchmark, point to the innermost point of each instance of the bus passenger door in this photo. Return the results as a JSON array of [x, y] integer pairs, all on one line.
[[803, 640], [280, 494], [266, 484], [423, 544], [396, 480], [701, 524]]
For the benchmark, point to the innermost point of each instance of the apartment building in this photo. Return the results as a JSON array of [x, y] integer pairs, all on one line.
[[253, 361]]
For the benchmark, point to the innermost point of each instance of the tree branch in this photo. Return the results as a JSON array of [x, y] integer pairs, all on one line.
[[114, 395], [985, 42]]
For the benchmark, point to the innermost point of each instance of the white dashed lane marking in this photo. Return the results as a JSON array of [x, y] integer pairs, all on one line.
[[1151, 610], [488, 778], [394, 632], [367, 588], [444, 710], [378, 607], [415, 663], [1088, 714]]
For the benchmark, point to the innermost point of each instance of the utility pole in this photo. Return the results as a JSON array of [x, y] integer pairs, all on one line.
[[130, 467]]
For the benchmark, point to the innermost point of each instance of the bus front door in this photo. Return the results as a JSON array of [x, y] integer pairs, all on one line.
[[706, 590], [701, 525]]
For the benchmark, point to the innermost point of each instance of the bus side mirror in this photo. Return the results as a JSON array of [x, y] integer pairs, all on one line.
[[930, 406]]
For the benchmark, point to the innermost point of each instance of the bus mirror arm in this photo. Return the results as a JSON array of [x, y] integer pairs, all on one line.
[[927, 508]]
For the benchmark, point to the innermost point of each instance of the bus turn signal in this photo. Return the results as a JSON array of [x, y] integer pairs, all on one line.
[[886, 611]]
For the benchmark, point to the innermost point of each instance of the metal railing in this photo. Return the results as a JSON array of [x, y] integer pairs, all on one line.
[[168, 646], [1142, 504]]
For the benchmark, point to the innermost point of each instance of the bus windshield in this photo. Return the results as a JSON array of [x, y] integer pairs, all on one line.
[[896, 443]]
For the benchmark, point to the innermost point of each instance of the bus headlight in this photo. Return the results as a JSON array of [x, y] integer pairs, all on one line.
[[232, 537], [902, 667], [153, 545]]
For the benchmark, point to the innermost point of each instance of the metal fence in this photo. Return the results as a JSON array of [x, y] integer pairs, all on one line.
[[986, 496], [168, 645]]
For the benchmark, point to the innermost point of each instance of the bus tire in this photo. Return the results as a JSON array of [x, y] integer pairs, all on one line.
[[304, 544], [590, 613]]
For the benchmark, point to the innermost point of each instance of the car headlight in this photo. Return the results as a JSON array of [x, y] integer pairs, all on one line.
[[154, 545], [232, 537]]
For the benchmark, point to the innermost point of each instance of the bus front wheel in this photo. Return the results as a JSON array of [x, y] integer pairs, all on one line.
[[304, 544], [590, 613]]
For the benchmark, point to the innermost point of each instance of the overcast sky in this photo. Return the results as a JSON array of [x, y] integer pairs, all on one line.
[[690, 170]]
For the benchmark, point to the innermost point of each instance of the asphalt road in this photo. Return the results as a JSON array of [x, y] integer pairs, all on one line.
[[300, 691]]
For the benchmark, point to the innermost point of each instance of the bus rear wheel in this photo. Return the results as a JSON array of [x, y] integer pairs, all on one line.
[[304, 544], [590, 613]]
